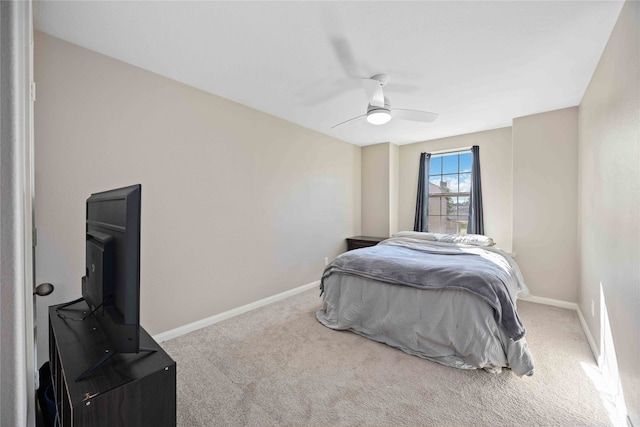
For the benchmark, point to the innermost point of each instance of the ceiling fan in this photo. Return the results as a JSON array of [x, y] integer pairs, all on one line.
[[379, 109]]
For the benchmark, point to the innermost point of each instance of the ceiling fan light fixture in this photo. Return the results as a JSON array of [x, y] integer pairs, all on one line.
[[378, 116]]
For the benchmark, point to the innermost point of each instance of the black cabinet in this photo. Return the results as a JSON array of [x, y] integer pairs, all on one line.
[[130, 389], [363, 242]]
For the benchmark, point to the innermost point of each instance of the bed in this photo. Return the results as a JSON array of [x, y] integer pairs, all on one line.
[[450, 299]]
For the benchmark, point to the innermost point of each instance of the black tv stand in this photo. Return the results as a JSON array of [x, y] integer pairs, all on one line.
[[108, 355], [69, 304], [130, 390]]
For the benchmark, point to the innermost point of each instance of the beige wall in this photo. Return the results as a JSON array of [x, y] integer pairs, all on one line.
[[375, 190], [380, 187], [394, 187], [236, 205], [609, 188], [496, 174], [545, 174]]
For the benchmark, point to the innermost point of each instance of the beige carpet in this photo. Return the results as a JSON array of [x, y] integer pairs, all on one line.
[[278, 366]]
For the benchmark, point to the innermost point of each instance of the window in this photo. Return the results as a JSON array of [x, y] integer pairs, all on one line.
[[449, 189]]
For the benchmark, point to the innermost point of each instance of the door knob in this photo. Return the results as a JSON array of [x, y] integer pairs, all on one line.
[[43, 289]]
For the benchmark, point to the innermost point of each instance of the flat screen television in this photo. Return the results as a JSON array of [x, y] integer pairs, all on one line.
[[111, 285]]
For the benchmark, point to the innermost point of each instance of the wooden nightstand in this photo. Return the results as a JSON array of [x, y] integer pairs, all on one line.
[[358, 242]]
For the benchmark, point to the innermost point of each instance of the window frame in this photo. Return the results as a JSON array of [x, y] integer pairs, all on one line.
[[461, 226]]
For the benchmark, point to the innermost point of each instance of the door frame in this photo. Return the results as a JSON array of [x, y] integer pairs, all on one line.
[[30, 240]]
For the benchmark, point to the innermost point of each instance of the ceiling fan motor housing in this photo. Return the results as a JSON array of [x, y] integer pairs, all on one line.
[[387, 107]]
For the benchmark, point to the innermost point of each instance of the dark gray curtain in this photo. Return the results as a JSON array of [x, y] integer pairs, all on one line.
[[476, 221], [421, 222]]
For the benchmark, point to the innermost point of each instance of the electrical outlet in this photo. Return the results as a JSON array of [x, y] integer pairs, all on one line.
[[593, 308], [326, 260]]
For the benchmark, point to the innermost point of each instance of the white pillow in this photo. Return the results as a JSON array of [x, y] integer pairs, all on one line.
[[418, 235], [469, 239]]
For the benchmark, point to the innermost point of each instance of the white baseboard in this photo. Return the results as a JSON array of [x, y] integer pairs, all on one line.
[[570, 306], [551, 301], [199, 324], [590, 340]]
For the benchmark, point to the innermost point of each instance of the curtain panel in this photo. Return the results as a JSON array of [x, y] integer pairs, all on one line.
[[476, 221], [421, 222]]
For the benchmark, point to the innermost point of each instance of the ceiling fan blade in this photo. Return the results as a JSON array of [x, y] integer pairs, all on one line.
[[347, 121], [344, 53], [373, 89], [414, 115]]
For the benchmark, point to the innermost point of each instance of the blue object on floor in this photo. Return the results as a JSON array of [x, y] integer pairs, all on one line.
[[51, 404]]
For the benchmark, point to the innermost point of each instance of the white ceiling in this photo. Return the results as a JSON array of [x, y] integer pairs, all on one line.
[[477, 64]]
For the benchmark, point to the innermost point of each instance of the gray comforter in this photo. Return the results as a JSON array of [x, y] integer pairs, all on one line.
[[429, 265]]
